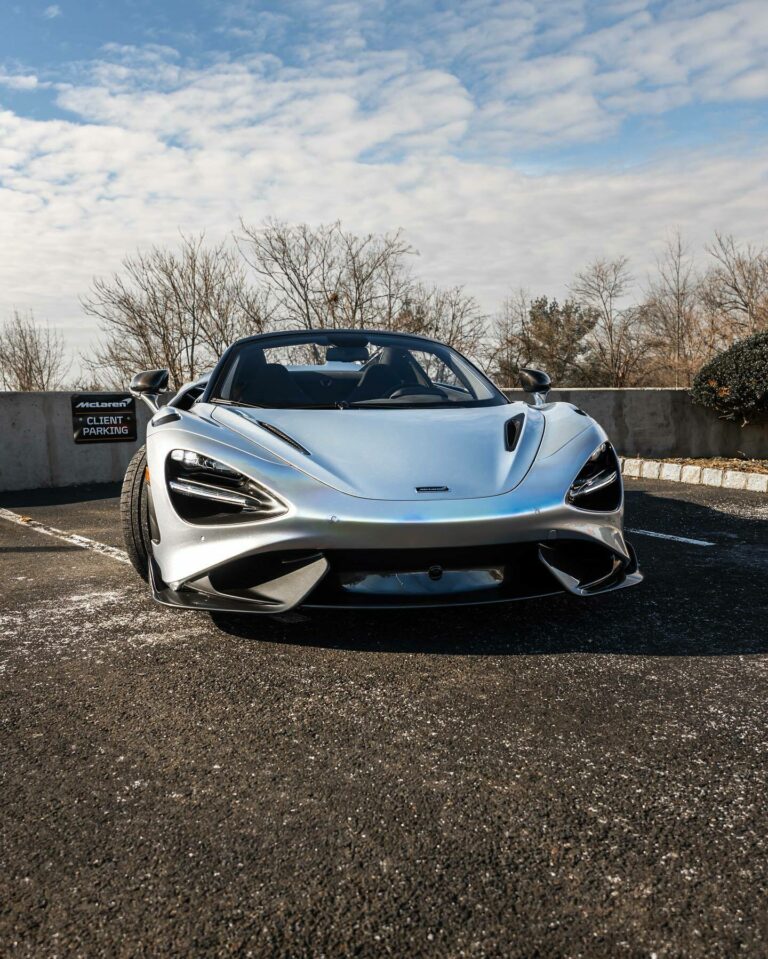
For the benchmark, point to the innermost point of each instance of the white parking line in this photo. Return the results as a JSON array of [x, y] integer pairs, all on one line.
[[76, 540], [677, 539]]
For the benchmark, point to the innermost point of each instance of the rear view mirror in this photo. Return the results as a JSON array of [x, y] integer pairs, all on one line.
[[346, 354]]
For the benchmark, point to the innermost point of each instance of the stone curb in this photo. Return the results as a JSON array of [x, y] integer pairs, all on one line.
[[704, 476]]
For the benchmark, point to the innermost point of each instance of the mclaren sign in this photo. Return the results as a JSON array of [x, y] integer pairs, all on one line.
[[104, 418]]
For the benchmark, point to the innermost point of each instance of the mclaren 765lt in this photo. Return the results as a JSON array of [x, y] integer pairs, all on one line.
[[368, 469]]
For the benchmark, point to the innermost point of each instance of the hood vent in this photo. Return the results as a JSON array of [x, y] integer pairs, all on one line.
[[513, 430], [284, 437]]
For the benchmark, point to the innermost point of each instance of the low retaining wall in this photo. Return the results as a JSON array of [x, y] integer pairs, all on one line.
[[659, 423], [696, 475], [37, 448]]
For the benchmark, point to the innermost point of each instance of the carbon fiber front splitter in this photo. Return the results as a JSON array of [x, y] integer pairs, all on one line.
[[321, 581]]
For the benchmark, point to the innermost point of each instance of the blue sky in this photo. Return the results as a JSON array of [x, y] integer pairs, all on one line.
[[512, 140]]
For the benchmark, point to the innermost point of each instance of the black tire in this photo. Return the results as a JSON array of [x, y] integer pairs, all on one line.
[[134, 514]]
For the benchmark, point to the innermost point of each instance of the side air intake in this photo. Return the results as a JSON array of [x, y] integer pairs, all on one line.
[[513, 430]]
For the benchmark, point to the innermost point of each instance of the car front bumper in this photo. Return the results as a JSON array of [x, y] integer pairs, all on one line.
[[414, 562], [334, 549]]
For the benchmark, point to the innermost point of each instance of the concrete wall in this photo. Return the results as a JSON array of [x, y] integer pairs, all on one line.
[[37, 448], [662, 423]]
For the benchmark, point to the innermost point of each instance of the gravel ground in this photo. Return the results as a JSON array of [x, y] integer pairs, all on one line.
[[549, 778], [720, 463]]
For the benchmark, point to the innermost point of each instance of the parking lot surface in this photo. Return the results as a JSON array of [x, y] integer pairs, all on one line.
[[558, 777]]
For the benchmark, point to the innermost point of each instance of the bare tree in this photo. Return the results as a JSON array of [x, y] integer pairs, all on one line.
[[328, 277], [672, 313], [616, 341], [397, 293], [31, 356], [86, 383], [735, 288], [505, 350], [451, 316], [175, 309]]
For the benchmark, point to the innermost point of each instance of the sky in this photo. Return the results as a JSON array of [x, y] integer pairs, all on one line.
[[512, 140]]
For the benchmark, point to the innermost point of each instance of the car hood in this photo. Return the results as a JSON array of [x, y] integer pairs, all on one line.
[[388, 454]]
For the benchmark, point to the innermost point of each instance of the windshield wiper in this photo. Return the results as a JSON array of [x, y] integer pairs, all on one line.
[[384, 404], [302, 406], [282, 406], [222, 402]]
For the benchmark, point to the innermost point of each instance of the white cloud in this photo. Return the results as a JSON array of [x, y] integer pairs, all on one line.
[[623, 58], [51, 12], [420, 136], [695, 46], [19, 81]]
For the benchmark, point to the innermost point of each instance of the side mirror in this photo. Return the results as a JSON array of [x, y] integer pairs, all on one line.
[[537, 383], [148, 386]]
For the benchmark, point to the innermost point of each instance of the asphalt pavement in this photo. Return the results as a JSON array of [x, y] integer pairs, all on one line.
[[558, 777]]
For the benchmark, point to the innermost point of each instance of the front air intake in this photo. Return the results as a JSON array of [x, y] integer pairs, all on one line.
[[586, 568]]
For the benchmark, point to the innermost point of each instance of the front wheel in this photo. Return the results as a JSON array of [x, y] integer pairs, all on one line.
[[134, 513]]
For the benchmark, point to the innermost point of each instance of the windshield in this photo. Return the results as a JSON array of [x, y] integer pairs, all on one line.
[[322, 370]]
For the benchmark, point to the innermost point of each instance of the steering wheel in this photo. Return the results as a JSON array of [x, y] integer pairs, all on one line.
[[417, 391]]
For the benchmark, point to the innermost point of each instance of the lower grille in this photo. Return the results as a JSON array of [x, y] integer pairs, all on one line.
[[422, 577]]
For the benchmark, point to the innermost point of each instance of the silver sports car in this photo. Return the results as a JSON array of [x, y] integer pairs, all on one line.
[[353, 468]]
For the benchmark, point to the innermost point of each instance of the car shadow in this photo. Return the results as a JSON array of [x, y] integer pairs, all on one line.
[[574, 627]]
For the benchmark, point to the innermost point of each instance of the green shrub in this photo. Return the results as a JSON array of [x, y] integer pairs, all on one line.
[[735, 382]]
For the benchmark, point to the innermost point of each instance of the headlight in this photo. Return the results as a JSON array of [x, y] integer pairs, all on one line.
[[204, 490], [193, 461], [598, 485]]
